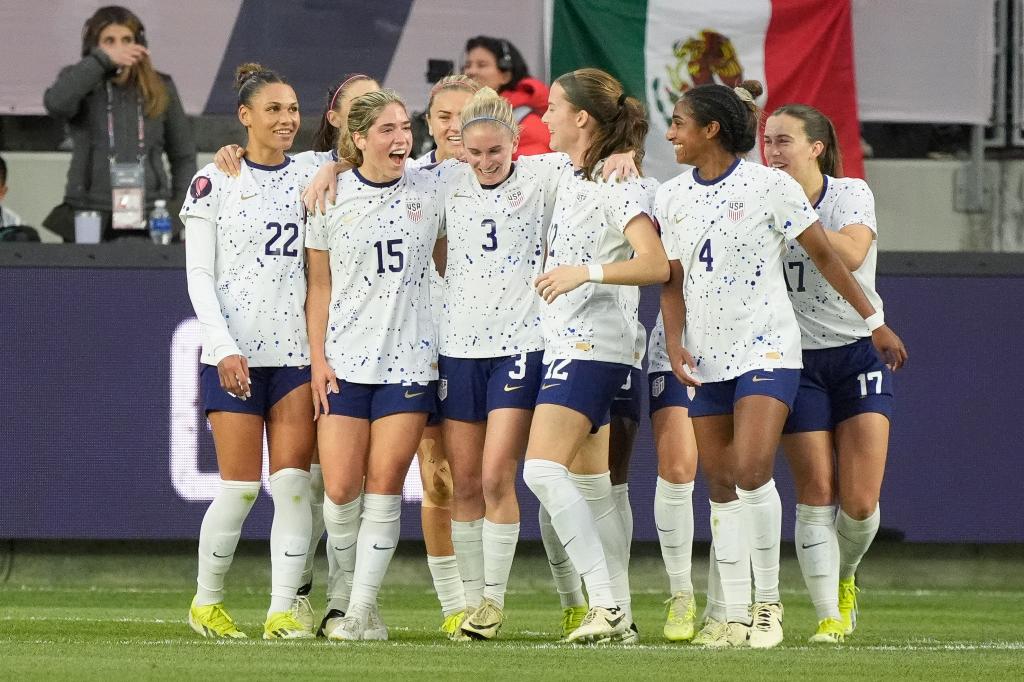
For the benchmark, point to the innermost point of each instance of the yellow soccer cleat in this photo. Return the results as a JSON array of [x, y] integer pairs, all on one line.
[[572, 617], [848, 604], [830, 631], [284, 625], [681, 617], [213, 621], [452, 627]]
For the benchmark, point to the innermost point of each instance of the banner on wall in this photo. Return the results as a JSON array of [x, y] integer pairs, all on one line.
[[800, 50]]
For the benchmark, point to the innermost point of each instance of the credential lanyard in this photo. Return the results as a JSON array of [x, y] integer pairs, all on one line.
[[141, 127]]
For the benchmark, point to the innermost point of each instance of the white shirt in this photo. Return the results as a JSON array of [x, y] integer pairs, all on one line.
[[315, 158], [594, 321], [495, 252], [826, 319], [730, 235], [426, 161], [380, 237], [9, 218], [246, 264], [657, 352]]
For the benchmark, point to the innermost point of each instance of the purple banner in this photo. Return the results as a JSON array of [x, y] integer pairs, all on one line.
[[104, 436]]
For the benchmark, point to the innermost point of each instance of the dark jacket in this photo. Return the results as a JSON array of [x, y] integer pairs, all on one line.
[[79, 98]]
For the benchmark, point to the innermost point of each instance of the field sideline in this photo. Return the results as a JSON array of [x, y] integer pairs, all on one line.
[[115, 612]]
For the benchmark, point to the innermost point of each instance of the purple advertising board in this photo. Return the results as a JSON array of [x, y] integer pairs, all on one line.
[[104, 435]]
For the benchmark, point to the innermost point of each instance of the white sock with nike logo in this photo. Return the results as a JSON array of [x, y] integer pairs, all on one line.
[[499, 543], [342, 523], [715, 607], [763, 523], [597, 491], [567, 581], [620, 493], [732, 558], [854, 539], [218, 537], [467, 539], [378, 537], [289, 536], [673, 517], [316, 510], [817, 549]]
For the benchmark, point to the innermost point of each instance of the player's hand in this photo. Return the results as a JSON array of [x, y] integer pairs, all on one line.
[[323, 382], [683, 365], [228, 159], [234, 376], [561, 280], [890, 347], [322, 190], [125, 56], [621, 165]]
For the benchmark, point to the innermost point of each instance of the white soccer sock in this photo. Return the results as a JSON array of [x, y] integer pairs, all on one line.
[[620, 493], [567, 580], [854, 539], [597, 491], [378, 537], [763, 524], [316, 508], [499, 543], [715, 607], [571, 519], [732, 558], [289, 536], [447, 583], [673, 515], [342, 523], [467, 539], [218, 537], [818, 552]]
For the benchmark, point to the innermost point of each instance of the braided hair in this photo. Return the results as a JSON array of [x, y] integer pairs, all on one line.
[[734, 109]]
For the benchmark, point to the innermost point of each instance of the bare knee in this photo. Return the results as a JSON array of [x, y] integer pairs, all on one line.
[[342, 492], [816, 492], [860, 508]]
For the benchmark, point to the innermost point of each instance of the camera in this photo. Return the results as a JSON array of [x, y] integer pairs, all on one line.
[[438, 69]]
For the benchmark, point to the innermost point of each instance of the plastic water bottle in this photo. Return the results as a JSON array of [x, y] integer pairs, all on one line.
[[160, 223]]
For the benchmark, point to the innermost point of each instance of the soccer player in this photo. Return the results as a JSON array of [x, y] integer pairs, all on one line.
[[448, 97], [601, 245], [725, 225], [372, 344], [245, 267], [844, 402]]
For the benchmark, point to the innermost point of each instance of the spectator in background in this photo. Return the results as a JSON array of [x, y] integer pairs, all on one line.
[[497, 64], [7, 216], [120, 110]]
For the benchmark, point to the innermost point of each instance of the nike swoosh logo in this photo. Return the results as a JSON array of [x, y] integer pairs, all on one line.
[[293, 555], [757, 379], [566, 544], [250, 196], [382, 548], [547, 386], [413, 395], [459, 195], [342, 549], [491, 584], [813, 545], [666, 530], [509, 389], [222, 556], [615, 622], [559, 563]]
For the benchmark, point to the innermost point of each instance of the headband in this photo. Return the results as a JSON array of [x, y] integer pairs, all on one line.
[[622, 100], [578, 96], [488, 118], [356, 76]]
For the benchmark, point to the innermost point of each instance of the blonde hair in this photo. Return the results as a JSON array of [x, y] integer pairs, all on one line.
[[361, 117], [488, 106], [459, 81]]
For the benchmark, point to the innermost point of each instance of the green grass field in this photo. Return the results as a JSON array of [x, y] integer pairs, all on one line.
[[109, 612]]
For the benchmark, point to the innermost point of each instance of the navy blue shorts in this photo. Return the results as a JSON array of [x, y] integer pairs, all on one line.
[[470, 388], [667, 391], [628, 402], [373, 401], [269, 385], [719, 397], [586, 386], [839, 383]]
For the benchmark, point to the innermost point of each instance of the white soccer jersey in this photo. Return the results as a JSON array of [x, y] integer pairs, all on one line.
[[826, 319], [426, 161], [730, 235], [657, 351], [259, 262], [594, 321], [380, 237], [317, 159], [495, 252]]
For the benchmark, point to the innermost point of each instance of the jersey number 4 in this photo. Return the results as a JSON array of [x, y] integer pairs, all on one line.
[[396, 259], [287, 249], [705, 255]]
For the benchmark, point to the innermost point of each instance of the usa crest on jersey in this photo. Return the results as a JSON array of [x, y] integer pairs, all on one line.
[[657, 386], [735, 210], [413, 208], [515, 198]]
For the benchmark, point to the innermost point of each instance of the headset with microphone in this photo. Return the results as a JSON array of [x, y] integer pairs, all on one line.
[[505, 58]]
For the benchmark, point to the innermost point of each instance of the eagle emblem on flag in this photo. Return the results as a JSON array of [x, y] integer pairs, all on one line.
[[707, 57]]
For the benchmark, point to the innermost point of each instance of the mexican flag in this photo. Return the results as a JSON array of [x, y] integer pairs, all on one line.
[[800, 50]]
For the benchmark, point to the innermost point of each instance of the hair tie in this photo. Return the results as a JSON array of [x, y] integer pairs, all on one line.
[[743, 94], [622, 100], [355, 76]]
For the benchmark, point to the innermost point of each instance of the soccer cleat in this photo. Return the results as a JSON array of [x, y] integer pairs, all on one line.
[[375, 627], [710, 631], [213, 621], [630, 636], [848, 604], [572, 617], [349, 628], [329, 622], [600, 624], [830, 631], [452, 627], [283, 625], [766, 631], [484, 622], [302, 610], [681, 617]]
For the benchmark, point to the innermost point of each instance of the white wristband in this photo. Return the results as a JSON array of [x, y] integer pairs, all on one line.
[[875, 320], [596, 273]]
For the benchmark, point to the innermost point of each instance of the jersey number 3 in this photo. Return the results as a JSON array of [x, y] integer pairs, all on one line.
[[287, 249], [491, 235]]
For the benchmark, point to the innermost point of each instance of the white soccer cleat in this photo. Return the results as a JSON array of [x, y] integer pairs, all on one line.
[[375, 628], [766, 631], [349, 628], [600, 624], [302, 611]]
